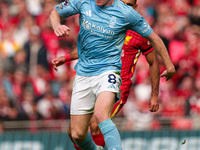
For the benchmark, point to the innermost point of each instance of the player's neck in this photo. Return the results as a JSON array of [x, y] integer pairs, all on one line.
[[111, 2]]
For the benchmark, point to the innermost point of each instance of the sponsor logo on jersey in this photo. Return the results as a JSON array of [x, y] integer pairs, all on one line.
[[91, 26]]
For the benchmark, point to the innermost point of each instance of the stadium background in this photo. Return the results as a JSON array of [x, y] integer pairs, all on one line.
[[34, 99]]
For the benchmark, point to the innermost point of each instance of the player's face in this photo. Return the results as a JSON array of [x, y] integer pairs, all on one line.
[[131, 3], [104, 2]]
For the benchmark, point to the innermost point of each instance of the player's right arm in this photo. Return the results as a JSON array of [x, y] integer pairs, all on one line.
[[58, 61]]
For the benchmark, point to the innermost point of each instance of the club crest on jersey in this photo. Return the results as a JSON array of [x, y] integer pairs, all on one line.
[[66, 3], [127, 39], [112, 22]]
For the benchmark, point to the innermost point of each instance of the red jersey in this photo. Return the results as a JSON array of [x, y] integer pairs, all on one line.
[[133, 46]]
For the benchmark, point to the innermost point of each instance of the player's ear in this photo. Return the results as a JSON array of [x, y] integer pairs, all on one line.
[[135, 6]]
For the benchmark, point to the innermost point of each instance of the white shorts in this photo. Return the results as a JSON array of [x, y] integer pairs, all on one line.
[[86, 90]]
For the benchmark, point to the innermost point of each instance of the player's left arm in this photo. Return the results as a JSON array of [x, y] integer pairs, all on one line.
[[159, 46], [155, 79], [58, 61]]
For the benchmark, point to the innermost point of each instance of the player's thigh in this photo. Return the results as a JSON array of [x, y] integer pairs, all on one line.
[[104, 105], [108, 90]]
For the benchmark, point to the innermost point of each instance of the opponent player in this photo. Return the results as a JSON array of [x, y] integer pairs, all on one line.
[[107, 35]]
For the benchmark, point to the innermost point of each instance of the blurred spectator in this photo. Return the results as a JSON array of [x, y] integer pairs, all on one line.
[[64, 95], [21, 34], [186, 87], [18, 85], [194, 104], [29, 109], [180, 7], [194, 14], [8, 45], [36, 51], [18, 62], [37, 9], [197, 82], [8, 111], [40, 81], [50, 107], [5, 82], [19, 10]]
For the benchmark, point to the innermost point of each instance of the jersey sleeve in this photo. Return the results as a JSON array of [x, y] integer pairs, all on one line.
[[68, 8], [137, 23]]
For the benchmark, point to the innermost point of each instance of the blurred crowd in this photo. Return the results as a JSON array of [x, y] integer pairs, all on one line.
[[31, 90]]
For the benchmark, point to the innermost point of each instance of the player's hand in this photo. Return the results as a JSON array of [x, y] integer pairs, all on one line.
[[61, 31], [153, 104], [58, 62], [168, 74]]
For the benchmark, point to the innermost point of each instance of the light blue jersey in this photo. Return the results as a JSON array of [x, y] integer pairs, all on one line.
[[102, 33]]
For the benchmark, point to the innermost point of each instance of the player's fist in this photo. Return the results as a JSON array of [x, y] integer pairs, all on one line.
[[153, 104], [58, 62], [61, 31]]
